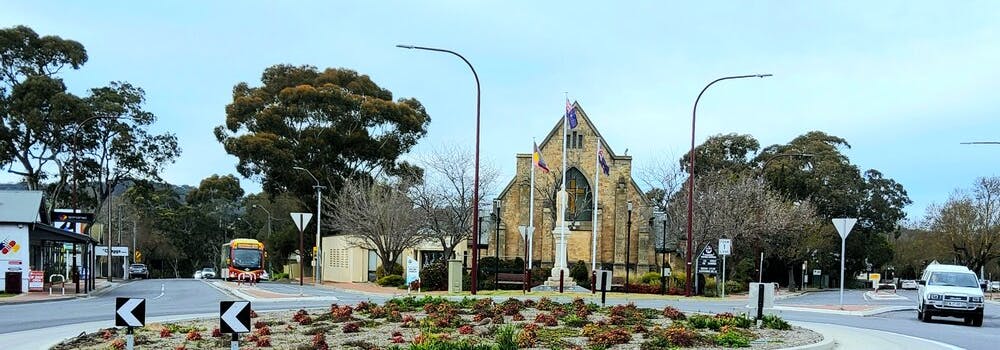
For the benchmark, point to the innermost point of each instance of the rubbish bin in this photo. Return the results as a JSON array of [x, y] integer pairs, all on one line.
[[12, 282]]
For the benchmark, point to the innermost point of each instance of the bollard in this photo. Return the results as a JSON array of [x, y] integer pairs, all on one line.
[[561, 273], [760, 301], [593, 282], [604, 287], [129, 339], [663, 285]]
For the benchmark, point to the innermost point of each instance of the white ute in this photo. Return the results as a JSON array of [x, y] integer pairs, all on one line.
[[950, 290]]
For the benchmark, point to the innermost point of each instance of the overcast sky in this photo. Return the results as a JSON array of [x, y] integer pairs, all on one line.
[[903, 81]]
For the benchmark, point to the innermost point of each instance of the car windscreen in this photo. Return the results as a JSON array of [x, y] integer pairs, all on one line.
[[954, 279], [246, 258]]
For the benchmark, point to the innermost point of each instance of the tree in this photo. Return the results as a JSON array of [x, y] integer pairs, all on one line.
[[444, 197], [970, 223], [663, 178], [730, 152], [376, 215], [36, 111], [336, 123]]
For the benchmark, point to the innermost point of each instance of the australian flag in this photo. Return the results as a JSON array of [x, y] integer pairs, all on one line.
[[603, 162], [570, 115]]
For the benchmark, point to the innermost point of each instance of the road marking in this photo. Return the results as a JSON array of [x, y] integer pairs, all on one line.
[[162, 289]]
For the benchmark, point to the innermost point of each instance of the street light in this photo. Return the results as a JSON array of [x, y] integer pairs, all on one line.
[[475, 181], [694, 113], [628, 242], [268, 230], [319, 221]]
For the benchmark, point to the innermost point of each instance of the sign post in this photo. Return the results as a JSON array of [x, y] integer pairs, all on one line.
[[301, 220], [234, 317], [412, 272], [844, 226], [725, 248], [708, 262], [130, 312]]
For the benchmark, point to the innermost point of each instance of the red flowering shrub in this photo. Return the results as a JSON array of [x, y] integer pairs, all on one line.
[[352, 327], [264, 342], [673, 314], [165, 333], [264, 330], [546, 319], [216, 333], [106, 334], [297, 317], [118, 344], [518, 317], [341, 314], [193, 335], [253, 314], [545, 304], [528, 336], [610, 336], [465, 329]]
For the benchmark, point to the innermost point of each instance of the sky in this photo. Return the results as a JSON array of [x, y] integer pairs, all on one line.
[[904, 82]]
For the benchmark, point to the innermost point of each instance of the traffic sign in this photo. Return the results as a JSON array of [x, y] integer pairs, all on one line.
[[844, 226], [301, 220], [817, 272], [725, 246], [115, 251], [708, 262], [130, 312], [234, 316]]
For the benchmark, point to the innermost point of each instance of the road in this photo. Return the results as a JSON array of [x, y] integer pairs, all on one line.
[[172, 297]]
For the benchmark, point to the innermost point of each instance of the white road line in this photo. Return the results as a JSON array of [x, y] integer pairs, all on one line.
[[162, 289]]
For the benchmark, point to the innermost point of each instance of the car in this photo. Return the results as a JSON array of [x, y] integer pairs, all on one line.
[[207, 273], [951, 291], [994, 286], [197, 274], [138, 270], [908, 284]]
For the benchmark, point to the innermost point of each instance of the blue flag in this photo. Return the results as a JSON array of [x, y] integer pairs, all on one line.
[[604, 163], [570, 115]]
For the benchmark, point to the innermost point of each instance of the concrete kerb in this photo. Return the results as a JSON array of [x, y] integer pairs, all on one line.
[[863, 313], [240, 294], [98, 292]]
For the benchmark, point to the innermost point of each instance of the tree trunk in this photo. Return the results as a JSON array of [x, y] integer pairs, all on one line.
[[791, 277]]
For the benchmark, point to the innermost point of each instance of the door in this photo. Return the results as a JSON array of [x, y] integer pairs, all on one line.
[[372, 265]]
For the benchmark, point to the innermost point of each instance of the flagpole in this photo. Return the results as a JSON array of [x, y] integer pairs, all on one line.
[[562, 189], [531, 202], [597, 181]]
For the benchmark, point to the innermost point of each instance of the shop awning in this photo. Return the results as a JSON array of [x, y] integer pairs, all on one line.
[[43, 232]]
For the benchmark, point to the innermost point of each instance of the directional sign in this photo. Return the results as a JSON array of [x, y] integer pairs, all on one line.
[[844, 226], [301, 220], [130, 312], [725, 246], [708, 262], [234, 317], [115, 251]]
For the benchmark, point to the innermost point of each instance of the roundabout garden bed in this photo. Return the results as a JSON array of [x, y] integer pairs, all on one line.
[[433, 323]]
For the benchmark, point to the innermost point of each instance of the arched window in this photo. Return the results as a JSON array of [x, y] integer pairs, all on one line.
[[579, 205]]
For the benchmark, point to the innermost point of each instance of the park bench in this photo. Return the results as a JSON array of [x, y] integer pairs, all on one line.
[[510, 278]]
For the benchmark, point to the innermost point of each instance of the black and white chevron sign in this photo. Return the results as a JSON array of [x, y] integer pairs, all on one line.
[[130, 312], [234, 317]]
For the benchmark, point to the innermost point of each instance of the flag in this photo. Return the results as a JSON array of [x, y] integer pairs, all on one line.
[[536, 158], [570, 115], [604, 163]]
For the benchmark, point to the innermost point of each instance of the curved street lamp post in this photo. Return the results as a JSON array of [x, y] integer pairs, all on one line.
[[475, 181], [694, 112]]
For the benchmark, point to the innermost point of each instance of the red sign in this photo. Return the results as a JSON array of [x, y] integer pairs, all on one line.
[[36, 281]]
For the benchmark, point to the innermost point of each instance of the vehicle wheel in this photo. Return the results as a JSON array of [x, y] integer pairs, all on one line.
[[920, 315], [968, 320], [927, 316], [977, 321]]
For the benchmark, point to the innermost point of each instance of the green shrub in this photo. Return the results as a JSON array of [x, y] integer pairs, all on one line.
[[580, 273], [650, 278], [279, 276], [434, 276], [733, 339], [391, 281], [394, 269], [733, 287], [775, 322], [711, 287], [506, 337]]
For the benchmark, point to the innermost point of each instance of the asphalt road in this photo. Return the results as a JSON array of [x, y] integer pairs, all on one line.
[[171, 297]]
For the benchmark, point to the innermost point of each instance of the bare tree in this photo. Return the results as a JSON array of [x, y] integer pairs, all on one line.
[[376, 215], [444, 199], [970, 223], [663, 177]]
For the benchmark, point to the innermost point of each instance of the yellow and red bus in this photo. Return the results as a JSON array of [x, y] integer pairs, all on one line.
[[242, 256]]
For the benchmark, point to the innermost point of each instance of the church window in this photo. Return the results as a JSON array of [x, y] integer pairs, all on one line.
[[579, 206]]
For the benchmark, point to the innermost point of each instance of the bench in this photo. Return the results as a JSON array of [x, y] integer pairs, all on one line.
[[510, 278]]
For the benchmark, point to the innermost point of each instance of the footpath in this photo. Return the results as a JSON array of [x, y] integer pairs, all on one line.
[[58, 292]]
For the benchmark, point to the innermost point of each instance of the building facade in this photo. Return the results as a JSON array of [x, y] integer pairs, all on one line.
[[616, 193]]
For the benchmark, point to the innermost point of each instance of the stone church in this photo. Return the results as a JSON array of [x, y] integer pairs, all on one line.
[[616, 193]]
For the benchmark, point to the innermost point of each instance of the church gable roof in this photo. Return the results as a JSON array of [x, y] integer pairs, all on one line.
[[581, 115]]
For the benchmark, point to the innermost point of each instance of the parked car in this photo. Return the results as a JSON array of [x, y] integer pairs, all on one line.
[[908, 284], [197, 274], [995, 286], [138, 270], [207, 273], [950, 290]]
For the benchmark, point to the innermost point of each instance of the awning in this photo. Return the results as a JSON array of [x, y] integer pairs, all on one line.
[[43, 232]]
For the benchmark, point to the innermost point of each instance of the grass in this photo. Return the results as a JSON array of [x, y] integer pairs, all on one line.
[[5, 295]]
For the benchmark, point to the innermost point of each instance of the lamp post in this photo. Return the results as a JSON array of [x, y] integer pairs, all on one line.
[[475, 181], [628, 243], [268, 231], [694, 113], [496, 245], [319, 222]]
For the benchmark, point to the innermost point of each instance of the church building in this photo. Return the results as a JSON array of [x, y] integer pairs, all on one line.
[[618, 195]]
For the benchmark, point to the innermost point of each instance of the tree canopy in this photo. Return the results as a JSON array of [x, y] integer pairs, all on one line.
[[336, 123]]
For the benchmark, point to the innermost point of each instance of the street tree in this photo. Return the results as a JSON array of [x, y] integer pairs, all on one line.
[[444, 197], [969, 222], [378, 215], [336, 123]]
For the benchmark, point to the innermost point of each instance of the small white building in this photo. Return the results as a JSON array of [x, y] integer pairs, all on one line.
[[345, 259]]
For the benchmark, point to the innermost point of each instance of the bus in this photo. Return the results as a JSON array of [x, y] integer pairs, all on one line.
[[242, 255]]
